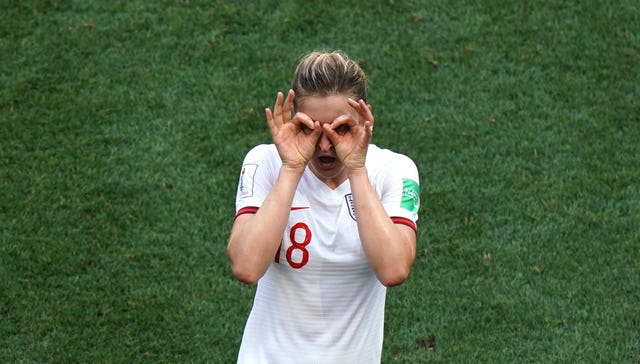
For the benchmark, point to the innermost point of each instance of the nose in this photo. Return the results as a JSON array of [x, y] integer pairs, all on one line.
[[324, 144]]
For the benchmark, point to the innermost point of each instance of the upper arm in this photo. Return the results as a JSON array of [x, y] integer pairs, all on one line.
[[238, 226], [408, 236]]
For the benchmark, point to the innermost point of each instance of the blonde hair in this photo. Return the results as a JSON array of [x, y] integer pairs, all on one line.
[[325, 73]]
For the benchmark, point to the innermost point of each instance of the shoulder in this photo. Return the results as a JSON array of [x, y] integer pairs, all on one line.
[[379, 159], [262, 160], [263, 149], [265, 153]]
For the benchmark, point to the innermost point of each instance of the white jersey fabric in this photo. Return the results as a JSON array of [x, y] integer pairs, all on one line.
[[319, 301]]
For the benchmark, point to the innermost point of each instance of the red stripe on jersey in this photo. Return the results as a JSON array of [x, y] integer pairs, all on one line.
[[247, 210], [253, 210], [405, 221]]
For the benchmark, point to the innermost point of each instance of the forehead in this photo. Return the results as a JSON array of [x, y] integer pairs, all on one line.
[[325, 108]]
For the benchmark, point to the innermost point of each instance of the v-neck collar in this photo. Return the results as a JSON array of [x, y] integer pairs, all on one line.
[[317, 182]]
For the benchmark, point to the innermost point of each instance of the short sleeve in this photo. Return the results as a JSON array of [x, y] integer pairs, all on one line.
[[257, 177], [400, 194]]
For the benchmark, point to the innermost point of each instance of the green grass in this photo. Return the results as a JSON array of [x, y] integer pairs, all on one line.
[[123, 125]]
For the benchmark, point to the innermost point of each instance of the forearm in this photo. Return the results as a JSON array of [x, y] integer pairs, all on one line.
[[253, 242], [389, 251]]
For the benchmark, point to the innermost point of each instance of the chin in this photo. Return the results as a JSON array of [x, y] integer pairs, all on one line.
[[332, 172]]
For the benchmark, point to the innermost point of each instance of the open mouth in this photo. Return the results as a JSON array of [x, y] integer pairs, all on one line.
[[327, 159], [326, 162]]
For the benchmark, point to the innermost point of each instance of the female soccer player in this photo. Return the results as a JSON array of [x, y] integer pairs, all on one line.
[[325, 221]]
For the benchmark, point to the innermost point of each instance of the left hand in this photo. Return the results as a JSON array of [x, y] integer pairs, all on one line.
[[350, 137]]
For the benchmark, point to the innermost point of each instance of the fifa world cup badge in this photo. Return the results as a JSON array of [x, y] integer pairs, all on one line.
[[245, 185], [410, 195]]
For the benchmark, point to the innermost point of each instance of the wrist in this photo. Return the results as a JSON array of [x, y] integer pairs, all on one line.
[[291, 171], [357, 172]]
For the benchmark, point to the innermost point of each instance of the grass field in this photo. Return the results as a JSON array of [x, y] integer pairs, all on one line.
[[123, 125]]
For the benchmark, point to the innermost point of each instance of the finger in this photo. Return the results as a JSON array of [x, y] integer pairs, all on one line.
[[354, 104], [368, 127], [288, 106], [331, 133], [316, 132], [303, 119], [270, 121], [277, 109], [368, 115], [317, 129], [343, 120], [363, 110]]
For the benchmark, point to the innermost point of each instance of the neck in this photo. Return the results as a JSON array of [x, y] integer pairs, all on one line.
[[332, 181]]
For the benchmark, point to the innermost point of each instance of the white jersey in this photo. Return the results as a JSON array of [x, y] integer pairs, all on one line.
[[319, 301]]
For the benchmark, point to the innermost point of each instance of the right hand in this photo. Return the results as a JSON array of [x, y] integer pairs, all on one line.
[[295, 138]]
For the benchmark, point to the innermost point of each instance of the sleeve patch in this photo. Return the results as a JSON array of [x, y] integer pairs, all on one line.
[[245, 185], [410, 195]]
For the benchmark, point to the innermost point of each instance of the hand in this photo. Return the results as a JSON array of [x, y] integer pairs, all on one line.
[[350, 137], [295, 138]]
